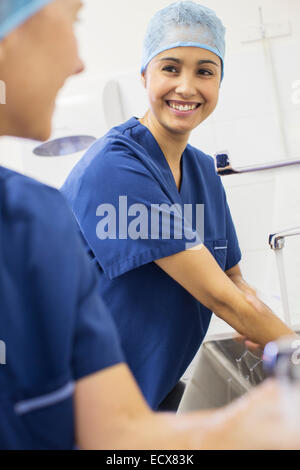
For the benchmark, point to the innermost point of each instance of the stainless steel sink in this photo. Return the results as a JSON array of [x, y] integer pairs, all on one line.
[[225, 370], [248, 365]]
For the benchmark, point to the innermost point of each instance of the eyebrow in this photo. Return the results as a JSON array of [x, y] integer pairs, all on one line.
[[178, 61]]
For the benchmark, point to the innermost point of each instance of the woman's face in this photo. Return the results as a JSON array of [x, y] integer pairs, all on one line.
[[35, 61], [183, 87]]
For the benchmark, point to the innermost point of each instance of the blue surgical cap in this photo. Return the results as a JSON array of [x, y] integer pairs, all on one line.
[[184, 24], [15, 12]]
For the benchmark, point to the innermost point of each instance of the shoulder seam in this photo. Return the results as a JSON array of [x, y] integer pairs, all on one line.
[[134, 124]]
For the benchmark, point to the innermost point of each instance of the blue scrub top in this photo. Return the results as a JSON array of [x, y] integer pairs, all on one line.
[[54, 325], [161, 325]]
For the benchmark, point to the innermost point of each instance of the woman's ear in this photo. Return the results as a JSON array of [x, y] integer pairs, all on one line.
[[143, 80]]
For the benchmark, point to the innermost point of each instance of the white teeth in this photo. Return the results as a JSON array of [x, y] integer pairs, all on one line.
[[183, 108]]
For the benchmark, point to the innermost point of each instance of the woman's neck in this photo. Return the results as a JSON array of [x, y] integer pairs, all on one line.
[[171, 144]]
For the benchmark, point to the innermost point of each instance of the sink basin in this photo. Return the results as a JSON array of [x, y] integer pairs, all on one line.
[[224, 371], [248, 365]]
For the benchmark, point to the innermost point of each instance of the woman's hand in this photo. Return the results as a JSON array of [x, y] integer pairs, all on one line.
[[255, 348]]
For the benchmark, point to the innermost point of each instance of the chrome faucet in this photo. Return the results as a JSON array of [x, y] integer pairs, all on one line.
[[277, 242]]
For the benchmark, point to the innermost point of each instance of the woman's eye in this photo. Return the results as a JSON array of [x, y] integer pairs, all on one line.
[[205, 72], [170, 68]]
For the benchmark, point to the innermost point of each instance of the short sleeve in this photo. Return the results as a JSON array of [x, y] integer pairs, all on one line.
[[126, 212]]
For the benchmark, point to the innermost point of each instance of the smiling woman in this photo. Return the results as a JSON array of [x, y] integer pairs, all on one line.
[[183, 90], [182, 68], [160, 292]]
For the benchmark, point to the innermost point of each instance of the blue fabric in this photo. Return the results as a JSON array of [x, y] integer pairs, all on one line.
[[184, 24], [55, 326], [15, 12], [161, 325]]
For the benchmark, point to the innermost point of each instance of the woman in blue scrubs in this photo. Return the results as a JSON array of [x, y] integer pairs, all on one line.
[[154, 213]]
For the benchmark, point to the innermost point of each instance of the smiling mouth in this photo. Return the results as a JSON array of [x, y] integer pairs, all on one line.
[[183, 106]]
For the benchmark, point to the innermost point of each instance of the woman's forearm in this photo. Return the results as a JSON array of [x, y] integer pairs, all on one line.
[[252, 422], [198, 272], [203, 430], [236, 302], [111, 413], [251, 317], [161, 431]]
